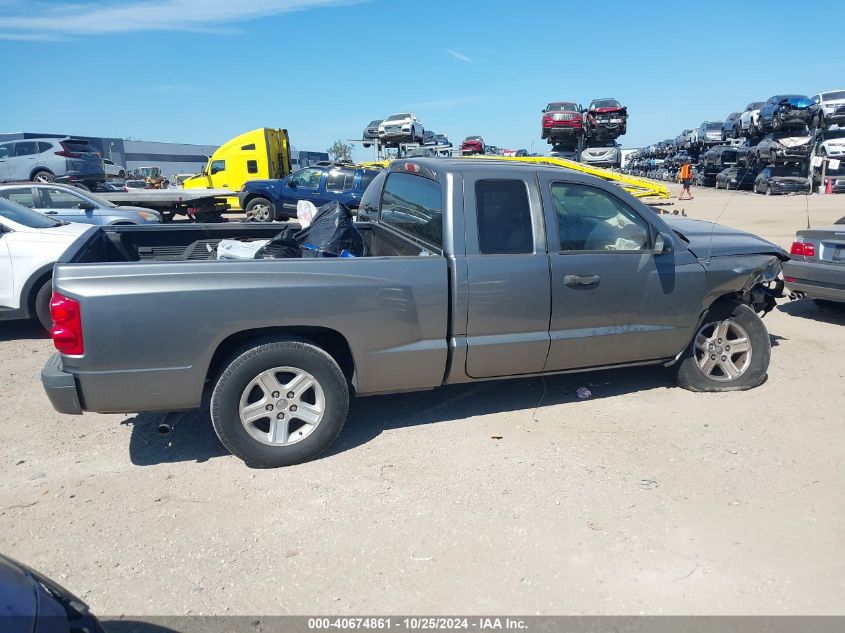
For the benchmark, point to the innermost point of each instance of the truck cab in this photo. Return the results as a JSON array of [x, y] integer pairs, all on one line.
[[257, 154]]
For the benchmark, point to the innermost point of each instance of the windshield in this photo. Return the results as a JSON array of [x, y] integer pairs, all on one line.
[[374, 123], [756, 105], [398, 117], [561, 107], [831, 134], [793, 171], [26, 217], [472, 138], [833, 96], [717, 125], [604, 103]]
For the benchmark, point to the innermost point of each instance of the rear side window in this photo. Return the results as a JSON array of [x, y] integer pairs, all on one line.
[[252, 166], [43, 146], [413, 205], [368, 209], [340, 179], [5, 150], [26, 148], [367, 178], [21, 195], [504, 217]]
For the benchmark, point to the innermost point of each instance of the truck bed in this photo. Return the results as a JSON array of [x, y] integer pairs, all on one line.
[[157, 306], [198, 242]]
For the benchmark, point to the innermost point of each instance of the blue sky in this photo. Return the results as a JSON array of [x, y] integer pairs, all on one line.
[[202, 71]]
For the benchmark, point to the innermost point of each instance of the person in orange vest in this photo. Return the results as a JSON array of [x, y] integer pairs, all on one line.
[[685, 176]]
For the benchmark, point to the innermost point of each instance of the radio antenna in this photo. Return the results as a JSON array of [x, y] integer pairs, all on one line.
[[719, 217]]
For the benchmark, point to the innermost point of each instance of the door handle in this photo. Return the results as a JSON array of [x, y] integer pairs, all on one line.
[[48, 212], [579, 281]]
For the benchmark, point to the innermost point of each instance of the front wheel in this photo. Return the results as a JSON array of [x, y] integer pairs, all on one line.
[[43, 176], [261, 209], [280, 403], [730, 351]]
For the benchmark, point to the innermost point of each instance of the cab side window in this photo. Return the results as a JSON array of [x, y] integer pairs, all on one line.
[[217, 166], [590, 219], [5, 150], [504, 217], [308, 177]]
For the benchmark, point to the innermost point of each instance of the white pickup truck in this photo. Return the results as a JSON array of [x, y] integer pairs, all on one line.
[[30, 243]]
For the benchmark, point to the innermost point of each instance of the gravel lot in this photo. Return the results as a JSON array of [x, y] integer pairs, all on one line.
[[642, 499]]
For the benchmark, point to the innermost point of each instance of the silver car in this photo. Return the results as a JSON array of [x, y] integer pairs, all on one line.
[[45, 159], [70, 204], [607, 154]]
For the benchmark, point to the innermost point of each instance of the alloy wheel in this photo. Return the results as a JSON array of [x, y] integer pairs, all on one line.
[[282, 406], [722, 350]]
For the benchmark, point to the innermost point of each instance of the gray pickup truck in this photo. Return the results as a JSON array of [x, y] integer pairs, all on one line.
[[475, 270]]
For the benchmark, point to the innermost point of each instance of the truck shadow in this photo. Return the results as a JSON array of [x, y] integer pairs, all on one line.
[[368, 417], [22, 330], [192, 438], [808, 309]]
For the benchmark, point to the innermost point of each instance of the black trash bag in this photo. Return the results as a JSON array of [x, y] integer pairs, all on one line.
[[279, 249], [283, 246], [331, 232]]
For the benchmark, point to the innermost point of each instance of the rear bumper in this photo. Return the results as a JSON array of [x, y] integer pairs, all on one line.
[[60, 387], [85, 176], [817, 280]]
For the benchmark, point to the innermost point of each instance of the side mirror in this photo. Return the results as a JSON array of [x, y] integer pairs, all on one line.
[[292, 184], [86, 206], [543, 111], [4, 229], [663, 244]]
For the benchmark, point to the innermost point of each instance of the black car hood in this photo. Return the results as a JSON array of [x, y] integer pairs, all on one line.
[[707, 239], [18, 602]]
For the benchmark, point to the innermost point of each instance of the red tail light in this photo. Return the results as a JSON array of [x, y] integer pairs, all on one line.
[[68, 154], [67, 325], [804, 249]]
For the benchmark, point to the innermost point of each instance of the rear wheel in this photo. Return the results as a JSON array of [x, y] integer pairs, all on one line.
[[42, 304], [280, 403], [730, 351], [43, 176], [261, 209]]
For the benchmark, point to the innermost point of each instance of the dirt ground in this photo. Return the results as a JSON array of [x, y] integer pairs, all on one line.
[[643, 498]]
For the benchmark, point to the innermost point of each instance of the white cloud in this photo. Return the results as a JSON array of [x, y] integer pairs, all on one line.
[[458, 55], [30, 37], [160, 15]]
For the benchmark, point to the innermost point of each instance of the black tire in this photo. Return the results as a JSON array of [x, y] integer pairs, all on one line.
[[270, 354], [266, 211], [687, 372], [42, 175], [42, 304]]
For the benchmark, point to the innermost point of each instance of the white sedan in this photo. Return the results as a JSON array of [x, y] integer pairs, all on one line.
[[30, 244]]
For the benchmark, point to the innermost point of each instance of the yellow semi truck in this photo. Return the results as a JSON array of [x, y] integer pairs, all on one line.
[[254, 155]]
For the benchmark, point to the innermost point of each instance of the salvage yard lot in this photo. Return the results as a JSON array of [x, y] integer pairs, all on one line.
[[508, 497]]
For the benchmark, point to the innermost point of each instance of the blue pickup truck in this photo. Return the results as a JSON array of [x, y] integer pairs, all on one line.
[[268, 200]]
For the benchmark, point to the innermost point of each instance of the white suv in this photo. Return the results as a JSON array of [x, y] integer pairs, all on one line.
[[30, 243], [831, 107], [401, 127]]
